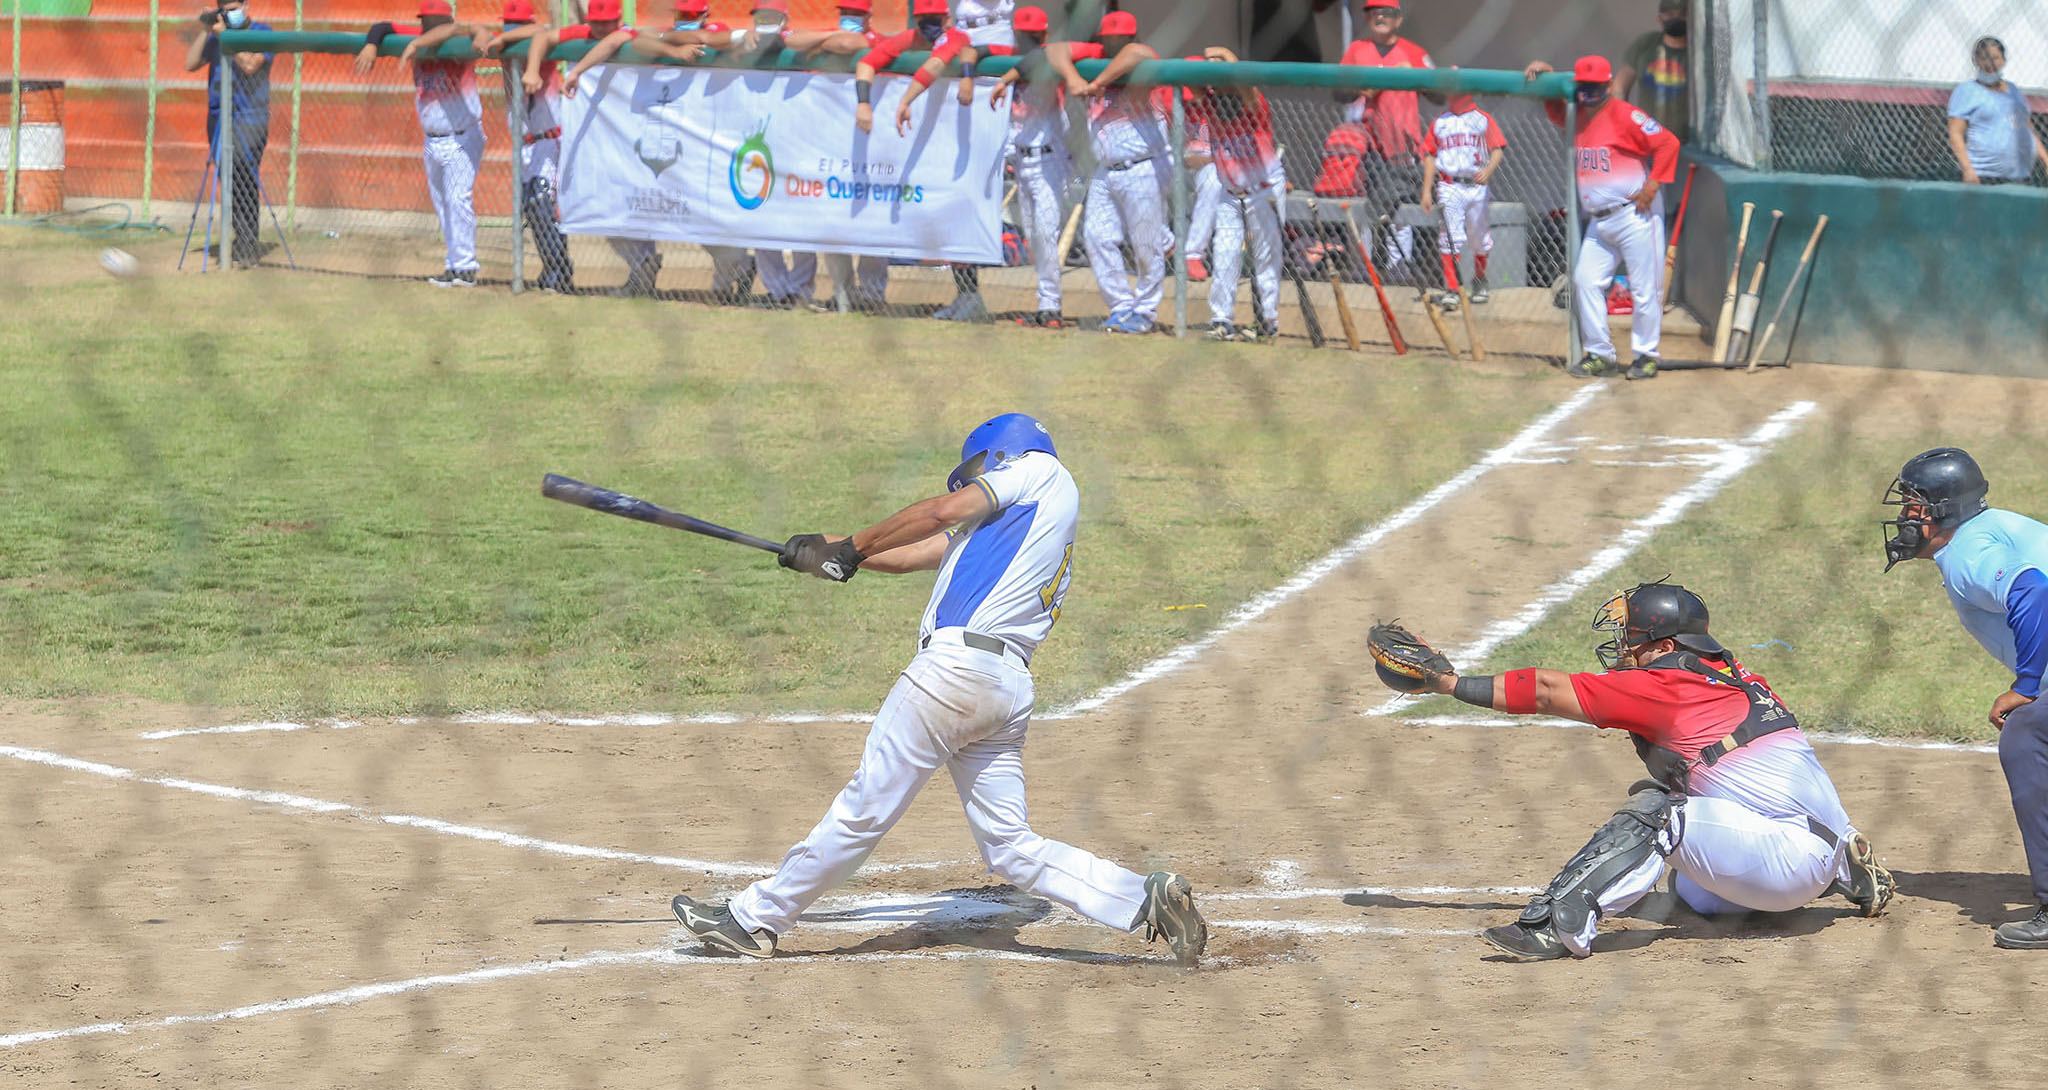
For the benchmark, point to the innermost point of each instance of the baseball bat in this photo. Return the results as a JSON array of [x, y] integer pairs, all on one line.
[[1471, 330], [1677, 229], [1315, 216], [1386, 308], [1067, 232], [1309, 316], [1770, 328], [1746, 307], [1726, 324], [557, 487]]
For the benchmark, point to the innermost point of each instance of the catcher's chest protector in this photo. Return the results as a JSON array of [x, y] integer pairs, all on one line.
[[1767, 715]]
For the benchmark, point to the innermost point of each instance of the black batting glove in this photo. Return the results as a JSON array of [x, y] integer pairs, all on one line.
[[843, 563]]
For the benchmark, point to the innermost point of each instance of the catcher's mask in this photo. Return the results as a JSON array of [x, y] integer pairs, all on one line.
[[1938, 489], [1649, 612], [997, 440]]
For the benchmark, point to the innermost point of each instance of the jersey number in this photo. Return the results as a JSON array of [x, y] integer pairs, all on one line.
[[1051, 593]]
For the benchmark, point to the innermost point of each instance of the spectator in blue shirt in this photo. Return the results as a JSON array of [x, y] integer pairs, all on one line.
[[1988, 125], [251, 115]]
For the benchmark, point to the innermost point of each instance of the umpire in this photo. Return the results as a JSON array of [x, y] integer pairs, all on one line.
[[1991, 564], [252, 115]]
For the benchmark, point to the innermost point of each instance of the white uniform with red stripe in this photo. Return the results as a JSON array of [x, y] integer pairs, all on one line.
[[1038, 140], [1249, 178], [966, 708], [1616, 147], [451, 120], [1461, 144], [1127, 198]]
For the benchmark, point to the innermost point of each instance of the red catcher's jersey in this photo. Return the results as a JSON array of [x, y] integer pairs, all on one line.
[[1676, 709]]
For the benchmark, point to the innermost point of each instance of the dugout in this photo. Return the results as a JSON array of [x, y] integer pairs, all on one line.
[[1916, 274]]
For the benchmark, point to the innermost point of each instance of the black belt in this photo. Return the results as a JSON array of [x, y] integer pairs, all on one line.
[[1126, 164], [977, 641], [537, 137], [1824, 833], [1464, 179], [978, 22], [1606, 212], [1036, 151]]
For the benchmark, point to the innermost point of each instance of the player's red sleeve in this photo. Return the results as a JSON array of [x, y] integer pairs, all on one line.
[[406, 28], [1085, 51], [1429, 144], [1494, 137], [950, 46], [887, 50], [578, 33], [1613, 700], [1418, 56], [1555, 109], [1664, 147], [1001, 50]]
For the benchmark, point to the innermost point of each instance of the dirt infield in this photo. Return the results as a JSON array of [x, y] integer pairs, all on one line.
[[483, 901]]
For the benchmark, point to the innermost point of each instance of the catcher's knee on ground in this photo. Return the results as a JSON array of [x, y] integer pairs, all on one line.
[[1615, 869]]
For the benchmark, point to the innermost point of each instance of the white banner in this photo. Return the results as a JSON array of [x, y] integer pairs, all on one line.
[[774, 161]]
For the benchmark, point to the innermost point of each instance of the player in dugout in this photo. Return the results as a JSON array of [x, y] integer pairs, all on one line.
[[1736, 802]]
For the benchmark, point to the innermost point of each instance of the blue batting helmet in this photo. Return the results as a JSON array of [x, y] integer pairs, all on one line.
[[997, 440]]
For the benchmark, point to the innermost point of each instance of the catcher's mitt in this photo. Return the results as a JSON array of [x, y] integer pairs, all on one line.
[[1402, 660]]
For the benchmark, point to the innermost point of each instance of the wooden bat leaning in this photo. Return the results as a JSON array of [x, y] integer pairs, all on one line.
[[1745, 308], [1770, 328], [1309, 316], [1344, 318], [1471, 330], [557, 487], [1386, 308], [1677, 229], [1727, 321], [1067, 233]]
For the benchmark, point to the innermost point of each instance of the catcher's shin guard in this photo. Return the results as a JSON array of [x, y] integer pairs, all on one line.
[[1621, 863]]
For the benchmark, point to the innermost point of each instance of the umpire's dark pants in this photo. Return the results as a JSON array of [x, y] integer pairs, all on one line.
[[2023, 750]]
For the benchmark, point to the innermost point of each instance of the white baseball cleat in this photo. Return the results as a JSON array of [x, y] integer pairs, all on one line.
[[1169, 913], [714, 926]]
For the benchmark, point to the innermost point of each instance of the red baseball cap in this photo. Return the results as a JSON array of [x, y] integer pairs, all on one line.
[[1028, 18], [693, 7], [865, 7], [928, 7], [1371, 4], [598, 11], [1118, 23], [1592, 69], [435, 7], [517, 11]]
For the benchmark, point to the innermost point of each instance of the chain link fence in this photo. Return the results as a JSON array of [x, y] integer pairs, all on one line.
[[1861, 87]]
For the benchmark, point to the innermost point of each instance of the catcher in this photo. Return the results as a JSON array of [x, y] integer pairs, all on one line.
[[1737, 803]]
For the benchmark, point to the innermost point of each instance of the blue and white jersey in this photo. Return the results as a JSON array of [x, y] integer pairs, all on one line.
[[1978, 567], [1005, 576]]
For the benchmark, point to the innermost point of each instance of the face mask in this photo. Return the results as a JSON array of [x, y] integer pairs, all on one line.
[[1675, 27], [851, 23], [1990, 79], [1030, 42], [429, 22], [931, 29], [236, 19], [766, 25], [1590, 96], [689, 24]]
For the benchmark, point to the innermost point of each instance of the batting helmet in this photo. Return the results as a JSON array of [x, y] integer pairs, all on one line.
[[997, 440], [1649, 612], [1939, 489]]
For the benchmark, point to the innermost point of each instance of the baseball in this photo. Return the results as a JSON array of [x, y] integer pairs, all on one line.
[[119, 262]]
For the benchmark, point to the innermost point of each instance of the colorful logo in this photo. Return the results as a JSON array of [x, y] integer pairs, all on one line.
[[753, 170]]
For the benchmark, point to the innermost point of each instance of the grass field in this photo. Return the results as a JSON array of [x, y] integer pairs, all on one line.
[[302, 495], [1790, 562]]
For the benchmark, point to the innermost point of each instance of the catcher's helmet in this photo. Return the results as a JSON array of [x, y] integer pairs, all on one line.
[[997, 440], [1938, 489], [1652, 611]]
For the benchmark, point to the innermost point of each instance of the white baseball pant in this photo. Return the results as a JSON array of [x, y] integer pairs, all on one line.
[[965, 710], [1729, 859], [1202, 220], [1635, 239], [1129, 203], [1463, 206], [795, 278], [639, 255], [732, 268], [1042, 205], [451, 162], [1242, 216]]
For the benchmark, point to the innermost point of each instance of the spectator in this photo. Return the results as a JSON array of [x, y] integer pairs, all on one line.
[[1238, 126], [451, 123], [1654, 72], [1391, 164], [540, 143], [1989, 128], [1127, 196], [252, 117]]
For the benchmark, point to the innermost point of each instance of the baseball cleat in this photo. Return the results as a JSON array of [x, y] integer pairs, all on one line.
[[455, 278], [1870, 886], [1267, 333], [1479, 292], [714, 926], [1137, 323], [1222, 331], [1448, 300], [1169, 912], [1525, 943], [1589, 367], [1643, 367], [1117, 323], [966, 308], [2024, 934]]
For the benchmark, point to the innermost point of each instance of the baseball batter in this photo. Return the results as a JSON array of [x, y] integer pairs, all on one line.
[[1038, 141], [1127, 196], [1737, 802], [1002, 540], [1624, 157], [1237, 125], [1992, 564], [451, 123], [1461, 152]]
